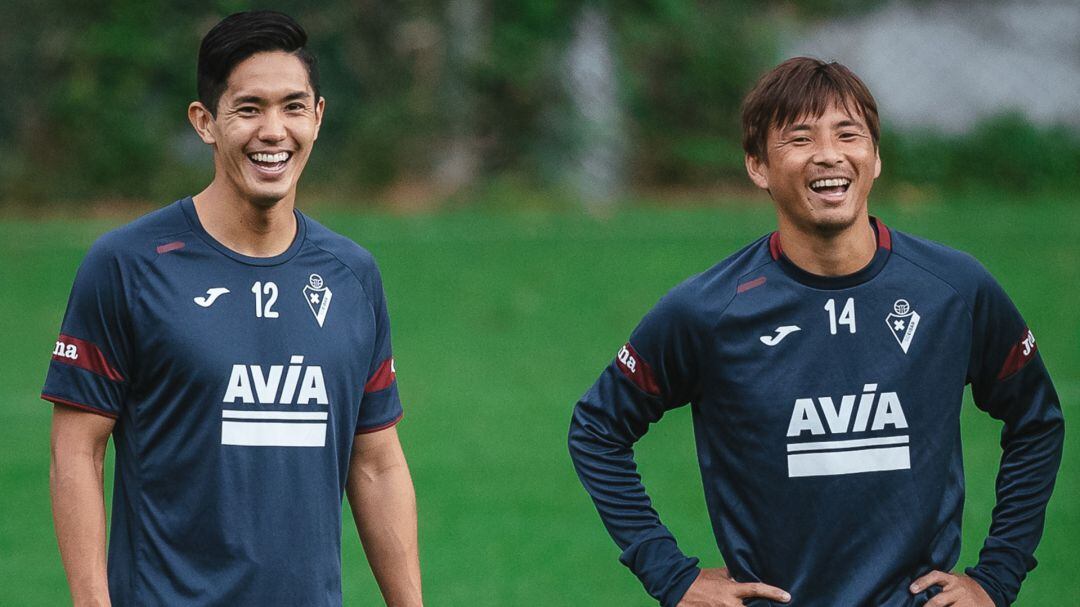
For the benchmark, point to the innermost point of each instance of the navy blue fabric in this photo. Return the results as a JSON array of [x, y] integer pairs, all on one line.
[[199, 519], [793, 502]]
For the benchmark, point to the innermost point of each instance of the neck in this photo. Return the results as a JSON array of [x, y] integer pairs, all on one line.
[[245, 227], [838, 253]]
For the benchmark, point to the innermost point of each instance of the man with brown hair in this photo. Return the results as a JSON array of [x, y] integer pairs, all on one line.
[[825, 364]]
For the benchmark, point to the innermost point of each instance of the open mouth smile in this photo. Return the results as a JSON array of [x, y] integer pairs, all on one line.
[[270, 164], [832, 188]]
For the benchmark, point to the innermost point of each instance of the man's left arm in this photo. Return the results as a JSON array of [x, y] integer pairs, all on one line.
[[383, 502], [1031, 442], [1010, 382]]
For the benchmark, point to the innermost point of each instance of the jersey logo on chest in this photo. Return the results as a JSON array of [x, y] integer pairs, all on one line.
[[781, 333], [211, 296], [841, 423], [295, 384], [318, 297], [902, 322]]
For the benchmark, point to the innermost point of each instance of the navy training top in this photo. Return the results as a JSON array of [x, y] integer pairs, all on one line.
[[237, 384], [826, 412]]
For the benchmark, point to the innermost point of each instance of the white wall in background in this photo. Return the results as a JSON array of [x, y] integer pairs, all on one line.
[[947, 64]]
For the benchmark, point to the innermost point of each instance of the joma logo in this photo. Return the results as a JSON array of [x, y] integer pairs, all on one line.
[[66, 350], [1029, 343], [302, 384], [886, 410], [626, 358]]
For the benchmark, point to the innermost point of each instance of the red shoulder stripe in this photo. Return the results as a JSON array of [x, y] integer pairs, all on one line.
[[85, 355], [750, 284], [383, 376], [637, 370], [170, 246], [1019, 355]]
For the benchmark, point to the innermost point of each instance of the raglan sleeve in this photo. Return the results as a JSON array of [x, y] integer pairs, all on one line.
[[1010, 382], [90, 367], [380, 406], [655, 371]]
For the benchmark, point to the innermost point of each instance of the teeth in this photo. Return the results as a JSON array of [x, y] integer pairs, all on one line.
[[271, 158], [830, 183]]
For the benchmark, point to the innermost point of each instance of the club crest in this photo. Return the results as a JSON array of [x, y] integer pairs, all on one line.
[[902, 322], [318, 297]]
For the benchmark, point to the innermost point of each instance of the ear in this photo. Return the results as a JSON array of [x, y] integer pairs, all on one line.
[[320, 107], [757, 169], [202, 120], [877, 163]]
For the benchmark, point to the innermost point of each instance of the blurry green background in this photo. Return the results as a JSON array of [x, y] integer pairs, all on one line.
[[532, 177]]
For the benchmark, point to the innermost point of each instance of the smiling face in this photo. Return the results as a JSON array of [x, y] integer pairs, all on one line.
[[266, 123], [819, 170]]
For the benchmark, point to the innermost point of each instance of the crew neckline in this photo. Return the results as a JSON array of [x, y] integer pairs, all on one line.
[[187, 205], [867, 272]]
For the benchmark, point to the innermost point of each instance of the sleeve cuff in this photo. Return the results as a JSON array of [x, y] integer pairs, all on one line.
[[663, 569], [1001, 570], [988, 585], [681, 584], [70, 403], [370, 429]]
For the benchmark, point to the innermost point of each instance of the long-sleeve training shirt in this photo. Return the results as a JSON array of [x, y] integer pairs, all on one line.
[[826, 413]]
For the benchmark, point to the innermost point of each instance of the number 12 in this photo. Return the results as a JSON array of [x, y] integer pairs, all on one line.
[[270, 290]]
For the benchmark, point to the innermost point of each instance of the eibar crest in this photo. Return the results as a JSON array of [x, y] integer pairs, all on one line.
[[318, 297], [903, 322]]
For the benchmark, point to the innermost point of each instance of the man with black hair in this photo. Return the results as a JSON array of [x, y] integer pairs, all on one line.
[[239, 355], [825, 364]]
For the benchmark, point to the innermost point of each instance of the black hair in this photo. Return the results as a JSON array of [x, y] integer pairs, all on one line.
[[242, 35]]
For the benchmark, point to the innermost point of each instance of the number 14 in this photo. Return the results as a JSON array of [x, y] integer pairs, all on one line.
[[847, 315]]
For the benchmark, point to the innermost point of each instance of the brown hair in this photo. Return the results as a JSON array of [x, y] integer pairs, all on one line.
[[798, 87]]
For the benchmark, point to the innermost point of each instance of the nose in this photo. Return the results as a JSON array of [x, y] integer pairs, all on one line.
[[272, 129], [827, 153]]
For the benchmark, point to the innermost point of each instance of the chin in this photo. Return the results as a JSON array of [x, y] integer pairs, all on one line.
[[834, 221], [266, 197]]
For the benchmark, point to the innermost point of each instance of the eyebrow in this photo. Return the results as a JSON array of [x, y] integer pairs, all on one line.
[[802, 127], [849, 123], [294, 96]]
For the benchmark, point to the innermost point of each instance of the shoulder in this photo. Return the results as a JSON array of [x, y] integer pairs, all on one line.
[[356, 258], [958, 269], [718, 285], [703, 297], [141, 240]]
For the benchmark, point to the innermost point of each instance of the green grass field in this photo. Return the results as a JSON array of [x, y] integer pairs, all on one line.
[[501, 321]]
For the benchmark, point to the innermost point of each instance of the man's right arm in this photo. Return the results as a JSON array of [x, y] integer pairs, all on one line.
[[76, 484], [654, 372], [606, 423], [657, 370]]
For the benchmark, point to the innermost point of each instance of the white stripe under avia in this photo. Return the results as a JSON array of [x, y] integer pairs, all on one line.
[[272, 434], [848, 444], [292, 428], [229, 414], [830, 463]]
